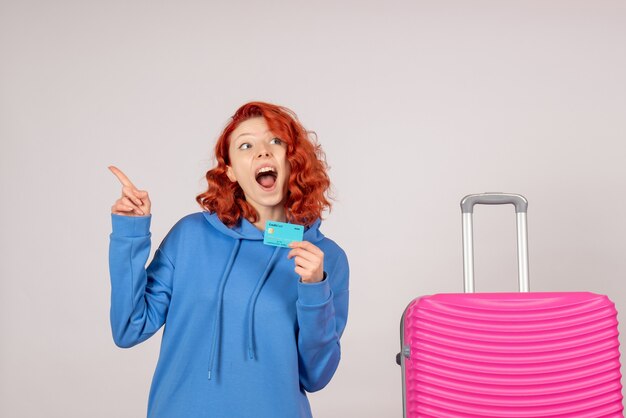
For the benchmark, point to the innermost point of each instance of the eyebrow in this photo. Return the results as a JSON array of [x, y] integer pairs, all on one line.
[[248, 133]]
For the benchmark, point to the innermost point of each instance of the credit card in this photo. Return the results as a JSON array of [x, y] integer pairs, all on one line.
[[281, 234]]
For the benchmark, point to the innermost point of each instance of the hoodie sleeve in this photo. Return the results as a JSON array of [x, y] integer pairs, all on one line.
[[322, 310], [139, 297]]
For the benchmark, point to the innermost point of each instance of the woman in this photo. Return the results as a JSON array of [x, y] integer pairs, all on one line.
[[249, 327]]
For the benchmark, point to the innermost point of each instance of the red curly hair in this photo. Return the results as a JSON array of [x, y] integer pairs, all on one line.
[[308, 181]]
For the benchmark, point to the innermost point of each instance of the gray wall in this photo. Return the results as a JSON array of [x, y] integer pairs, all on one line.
[[416, 103]]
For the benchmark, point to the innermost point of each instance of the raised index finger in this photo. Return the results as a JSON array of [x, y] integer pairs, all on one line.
[[121, 176]]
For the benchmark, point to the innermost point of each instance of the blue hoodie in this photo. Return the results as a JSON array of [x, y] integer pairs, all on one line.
[[243, 337]]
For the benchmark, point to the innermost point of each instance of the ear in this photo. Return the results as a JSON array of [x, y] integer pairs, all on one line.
[[230, 174]]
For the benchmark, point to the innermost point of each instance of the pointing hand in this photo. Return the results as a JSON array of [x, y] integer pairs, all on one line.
[[134, 202]]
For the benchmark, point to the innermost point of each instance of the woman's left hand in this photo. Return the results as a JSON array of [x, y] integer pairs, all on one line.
[[309, 261]]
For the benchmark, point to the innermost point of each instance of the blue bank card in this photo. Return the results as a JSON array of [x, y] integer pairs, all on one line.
[[281, 234]]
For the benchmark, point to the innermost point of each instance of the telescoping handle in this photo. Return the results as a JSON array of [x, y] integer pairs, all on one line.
[[467, 208]]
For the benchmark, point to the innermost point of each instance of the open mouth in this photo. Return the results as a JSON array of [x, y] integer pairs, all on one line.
[[266, 177]]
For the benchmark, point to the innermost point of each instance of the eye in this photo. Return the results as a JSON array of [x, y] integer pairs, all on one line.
[[245, 145], [276, 141]]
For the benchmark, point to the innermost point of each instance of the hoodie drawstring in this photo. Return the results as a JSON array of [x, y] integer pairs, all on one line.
[[253, 299], [218, 313]]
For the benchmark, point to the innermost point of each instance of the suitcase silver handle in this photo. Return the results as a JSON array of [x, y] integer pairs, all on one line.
[[467, 209]]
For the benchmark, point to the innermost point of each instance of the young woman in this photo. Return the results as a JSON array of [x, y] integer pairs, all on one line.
[[249, 327]]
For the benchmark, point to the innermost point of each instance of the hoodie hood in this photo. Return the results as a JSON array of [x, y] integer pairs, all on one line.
[[245, 230]]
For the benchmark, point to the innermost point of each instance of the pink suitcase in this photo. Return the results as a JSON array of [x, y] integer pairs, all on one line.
[[524, 354]]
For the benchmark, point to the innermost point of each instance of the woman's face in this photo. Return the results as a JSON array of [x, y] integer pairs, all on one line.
[[258, 162]]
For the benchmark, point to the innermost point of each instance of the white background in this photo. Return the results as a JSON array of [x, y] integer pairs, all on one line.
[[416, 104]]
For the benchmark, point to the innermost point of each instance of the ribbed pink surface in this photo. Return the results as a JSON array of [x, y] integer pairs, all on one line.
[[512, 355]]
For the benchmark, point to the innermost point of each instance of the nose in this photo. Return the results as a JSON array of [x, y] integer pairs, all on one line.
[[262, 151]]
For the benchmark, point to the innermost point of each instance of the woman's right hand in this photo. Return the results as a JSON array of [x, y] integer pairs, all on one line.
[[133, 202]]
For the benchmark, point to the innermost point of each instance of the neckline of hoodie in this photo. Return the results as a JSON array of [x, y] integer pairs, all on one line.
[[244, 229]]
